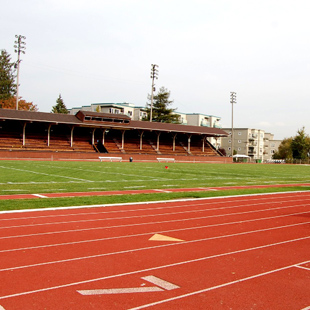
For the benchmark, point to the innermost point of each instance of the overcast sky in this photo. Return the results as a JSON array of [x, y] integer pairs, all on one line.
[[102, 50]]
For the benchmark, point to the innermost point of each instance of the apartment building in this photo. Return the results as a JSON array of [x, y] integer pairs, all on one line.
[[255, 143], [137, 113]]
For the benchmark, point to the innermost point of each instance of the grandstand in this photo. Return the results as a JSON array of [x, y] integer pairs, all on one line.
[[88, 135]]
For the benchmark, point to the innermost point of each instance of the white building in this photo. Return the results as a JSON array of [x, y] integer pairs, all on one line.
[[255, 143], [136, 113]]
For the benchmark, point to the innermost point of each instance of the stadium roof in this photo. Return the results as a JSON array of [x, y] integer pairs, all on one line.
[[107, 120]]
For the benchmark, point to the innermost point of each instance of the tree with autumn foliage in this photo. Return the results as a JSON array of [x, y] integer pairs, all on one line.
[[22, 104]]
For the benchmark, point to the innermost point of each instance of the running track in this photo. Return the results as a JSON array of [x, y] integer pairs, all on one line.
[[241, 252]]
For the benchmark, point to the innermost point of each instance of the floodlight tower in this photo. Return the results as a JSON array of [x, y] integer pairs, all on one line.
[[20, 47], [154, 75], [233, 100]]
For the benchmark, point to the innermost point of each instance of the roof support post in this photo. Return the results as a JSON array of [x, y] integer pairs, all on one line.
[[24, 134], [71, 141], [173, 142], [203, 144], [158, 134], [93, 137], [189, 143], [103, 136], [141, 136], [123, 139], [49, 134]]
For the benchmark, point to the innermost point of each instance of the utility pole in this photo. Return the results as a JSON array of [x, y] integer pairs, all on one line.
[[233, 100], [20, 47], [154, 75]]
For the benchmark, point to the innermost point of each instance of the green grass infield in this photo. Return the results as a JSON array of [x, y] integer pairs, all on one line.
[[39, 177]]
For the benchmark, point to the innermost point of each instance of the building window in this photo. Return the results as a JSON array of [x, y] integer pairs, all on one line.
[[229, 141], [239, 133], [239, 148], [229, 148], [239, 141]]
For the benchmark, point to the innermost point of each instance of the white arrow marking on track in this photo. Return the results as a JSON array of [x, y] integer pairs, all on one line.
[[157, 281]]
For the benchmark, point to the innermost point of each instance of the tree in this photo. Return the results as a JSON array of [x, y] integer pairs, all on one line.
[[301, 145], [7, 69], [284, 150], [22, 104], [60, 107], [161, 112]]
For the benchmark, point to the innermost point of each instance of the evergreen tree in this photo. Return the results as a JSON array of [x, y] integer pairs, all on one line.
[[161, 112], [7, 85], [301, 145], [60, 107]]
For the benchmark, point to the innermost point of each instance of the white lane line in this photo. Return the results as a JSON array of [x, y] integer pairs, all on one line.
[[153, 232], [212, 288], [160, 267], [142, 249], [121, 290], [305, 268], [162, 191], [1, 308], [307, 308], [153, 215], [40, 196], [161, 283], [147, 223], [147, 233], [218, 200]]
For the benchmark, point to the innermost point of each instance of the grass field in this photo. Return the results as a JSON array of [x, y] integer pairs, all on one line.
[[18, 177]]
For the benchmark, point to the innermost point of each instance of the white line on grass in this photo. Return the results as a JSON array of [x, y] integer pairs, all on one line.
[[48, 174], [162, 267]]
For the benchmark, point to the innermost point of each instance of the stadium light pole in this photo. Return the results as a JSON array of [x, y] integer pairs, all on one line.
[[154, 75], [20, 47], [233, 100]]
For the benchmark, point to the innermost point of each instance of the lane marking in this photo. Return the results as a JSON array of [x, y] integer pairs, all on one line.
[[216, 199], [162, 191], [144, 234], [121, 290], [154, 215], [160, 267], [192, 204], [307, 308], [213, 288], [302, 267], [40, 196], [48, 174], [161, 283], [159, 237], [146, 248]]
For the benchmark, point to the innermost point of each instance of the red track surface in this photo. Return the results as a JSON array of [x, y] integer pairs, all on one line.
[[140, 191], [246, 252]]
